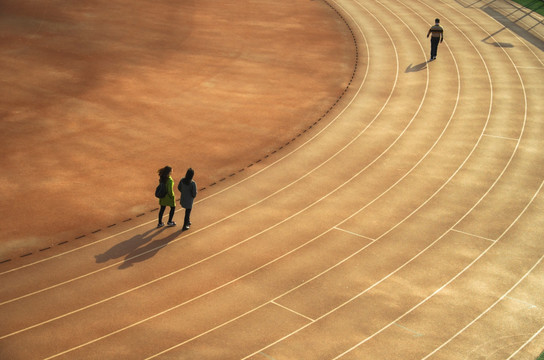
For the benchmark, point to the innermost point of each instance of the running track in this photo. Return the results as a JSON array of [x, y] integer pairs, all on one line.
[[407, 226]]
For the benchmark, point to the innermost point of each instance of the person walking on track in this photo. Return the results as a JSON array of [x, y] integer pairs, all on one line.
[[187, 187], [165, 177], [437, 35]]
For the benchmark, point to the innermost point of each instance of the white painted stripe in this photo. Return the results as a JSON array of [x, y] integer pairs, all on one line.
[[526, 343], [352, 233], [472, 235], [530, 67], [293, 311], [501, 137]]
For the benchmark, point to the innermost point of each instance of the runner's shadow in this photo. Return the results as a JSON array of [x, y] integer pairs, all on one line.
[[148, 251], [127, 246], [416, 68], [498, 44]]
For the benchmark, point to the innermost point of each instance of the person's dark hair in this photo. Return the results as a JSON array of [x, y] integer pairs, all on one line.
[[188, 176], [164, 173], [437, 20]]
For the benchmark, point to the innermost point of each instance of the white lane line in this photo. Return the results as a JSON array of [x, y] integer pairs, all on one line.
[[526, 343], [76, 249], [530, 67], [293, 311], [472, 235], [501, 137], [486, 310], [352, 233], [448, 283]]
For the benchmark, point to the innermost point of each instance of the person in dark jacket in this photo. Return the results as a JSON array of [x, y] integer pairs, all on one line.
[[165, 177], [437, 35], [187, 187]]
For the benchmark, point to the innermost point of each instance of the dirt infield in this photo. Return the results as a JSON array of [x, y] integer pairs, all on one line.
[[96, 96]]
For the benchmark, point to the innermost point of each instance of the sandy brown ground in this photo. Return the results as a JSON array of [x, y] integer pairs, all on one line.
[[406, 224], [97, 95]]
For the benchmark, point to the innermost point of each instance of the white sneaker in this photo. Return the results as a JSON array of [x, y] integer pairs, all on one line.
[[171, 223]]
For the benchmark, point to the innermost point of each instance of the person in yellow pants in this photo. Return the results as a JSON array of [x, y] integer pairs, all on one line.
[[165, 177]]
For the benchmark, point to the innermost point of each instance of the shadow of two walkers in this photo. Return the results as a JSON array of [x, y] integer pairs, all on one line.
[[134, 250]]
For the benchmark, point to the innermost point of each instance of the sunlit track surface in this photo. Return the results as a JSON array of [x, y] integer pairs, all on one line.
[[408, 227]]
